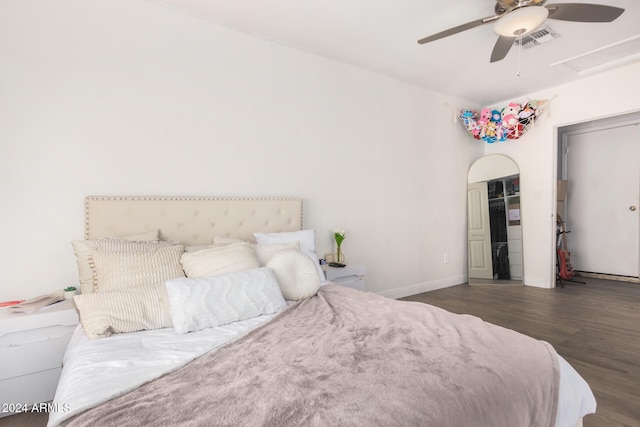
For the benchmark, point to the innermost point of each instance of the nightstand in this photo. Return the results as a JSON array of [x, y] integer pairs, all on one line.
[[349, 275], [32, 346]]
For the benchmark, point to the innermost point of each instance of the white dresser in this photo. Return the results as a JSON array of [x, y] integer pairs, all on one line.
[[32, 346], [349, 275]]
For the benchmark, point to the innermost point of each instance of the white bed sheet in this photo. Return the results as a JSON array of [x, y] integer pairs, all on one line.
[[97, 370]]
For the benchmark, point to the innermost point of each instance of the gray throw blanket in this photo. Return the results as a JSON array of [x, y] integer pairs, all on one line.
[[350, 358]]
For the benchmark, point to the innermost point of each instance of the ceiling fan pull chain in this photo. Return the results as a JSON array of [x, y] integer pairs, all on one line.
[[519, 54]]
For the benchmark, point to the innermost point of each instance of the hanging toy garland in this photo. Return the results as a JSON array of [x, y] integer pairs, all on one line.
[[511, 122]]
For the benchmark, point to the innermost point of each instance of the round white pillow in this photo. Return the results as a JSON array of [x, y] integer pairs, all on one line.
[[297, 276]]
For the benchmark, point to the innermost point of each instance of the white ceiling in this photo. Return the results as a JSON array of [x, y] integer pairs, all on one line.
[[381, 36]]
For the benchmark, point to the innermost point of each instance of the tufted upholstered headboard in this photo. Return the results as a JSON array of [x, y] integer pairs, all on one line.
[[190, 220]]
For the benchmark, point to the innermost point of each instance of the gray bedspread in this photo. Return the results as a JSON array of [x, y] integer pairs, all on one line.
[[350, 358]]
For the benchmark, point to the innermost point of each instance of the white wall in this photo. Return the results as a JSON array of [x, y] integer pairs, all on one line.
[[603, 95], [126, 98]]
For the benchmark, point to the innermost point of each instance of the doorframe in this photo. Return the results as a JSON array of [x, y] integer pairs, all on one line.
[[560, 161]]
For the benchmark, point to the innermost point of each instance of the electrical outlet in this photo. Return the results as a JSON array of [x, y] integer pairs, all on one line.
[[445, 258]]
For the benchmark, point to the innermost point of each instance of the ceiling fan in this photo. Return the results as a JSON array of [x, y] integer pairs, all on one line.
[[515, 18]]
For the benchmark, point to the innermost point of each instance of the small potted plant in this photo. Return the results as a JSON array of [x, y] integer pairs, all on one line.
[[339, 234], [69, 292]]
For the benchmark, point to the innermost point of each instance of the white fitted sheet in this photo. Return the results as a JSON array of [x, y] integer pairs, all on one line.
[[95, 371]]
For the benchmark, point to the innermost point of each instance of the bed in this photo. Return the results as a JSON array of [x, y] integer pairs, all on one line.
[[314, 353]]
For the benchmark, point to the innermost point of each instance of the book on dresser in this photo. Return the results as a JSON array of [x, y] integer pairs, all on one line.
[[34, 304]]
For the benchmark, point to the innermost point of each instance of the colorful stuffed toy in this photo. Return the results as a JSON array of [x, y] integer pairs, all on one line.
[[467, 116], [468, 113], [493, 130], [485, 116], [536, 105], [469, 119], [474, 129], [490, 132], [526, 112], [510, 115]]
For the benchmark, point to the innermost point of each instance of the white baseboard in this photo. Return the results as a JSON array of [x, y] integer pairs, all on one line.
[[536, 282], [445, 283], [423, 287]]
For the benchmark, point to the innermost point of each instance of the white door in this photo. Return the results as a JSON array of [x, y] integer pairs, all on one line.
[[479, 232], [603, 170]]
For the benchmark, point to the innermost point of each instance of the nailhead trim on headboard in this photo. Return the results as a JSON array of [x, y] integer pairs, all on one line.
[[190, 220]]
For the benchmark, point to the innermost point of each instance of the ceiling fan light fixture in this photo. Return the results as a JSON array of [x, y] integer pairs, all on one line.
[[521, 21]]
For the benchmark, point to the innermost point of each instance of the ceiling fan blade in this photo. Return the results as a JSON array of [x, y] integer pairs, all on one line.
[[501, 48], [583, 12], [458, 29]]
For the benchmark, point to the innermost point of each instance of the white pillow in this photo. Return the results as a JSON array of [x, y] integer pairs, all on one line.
[[214, 301], [265, 251], [296, 274], [218, 260], [306, 238]]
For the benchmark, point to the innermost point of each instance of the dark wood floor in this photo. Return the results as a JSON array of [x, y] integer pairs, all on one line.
[[26, 419], [595, 327]]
